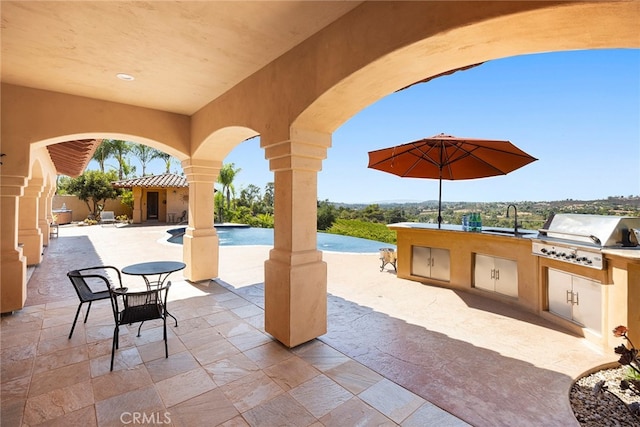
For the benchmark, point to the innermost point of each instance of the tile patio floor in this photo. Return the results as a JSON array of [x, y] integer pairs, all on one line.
[[396, 353]]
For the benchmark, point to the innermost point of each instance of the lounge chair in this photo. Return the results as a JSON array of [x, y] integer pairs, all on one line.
[[107, 217]]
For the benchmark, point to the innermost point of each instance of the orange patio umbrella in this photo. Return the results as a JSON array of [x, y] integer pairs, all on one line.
[[449, 157]]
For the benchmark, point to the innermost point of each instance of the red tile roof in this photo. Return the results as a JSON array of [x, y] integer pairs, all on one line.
[[166, 180]]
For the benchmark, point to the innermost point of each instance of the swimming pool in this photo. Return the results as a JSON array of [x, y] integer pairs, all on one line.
[[264, 236]]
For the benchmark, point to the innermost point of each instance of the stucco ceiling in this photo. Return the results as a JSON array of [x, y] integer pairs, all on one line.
[[182, 54]]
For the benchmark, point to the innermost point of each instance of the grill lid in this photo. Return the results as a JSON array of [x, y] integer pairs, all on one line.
[[599, 230]]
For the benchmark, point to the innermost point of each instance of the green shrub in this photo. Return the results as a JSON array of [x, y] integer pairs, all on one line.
[[363, 229]]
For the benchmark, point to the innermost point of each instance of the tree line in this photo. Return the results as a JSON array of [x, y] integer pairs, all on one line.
[[122, 151]]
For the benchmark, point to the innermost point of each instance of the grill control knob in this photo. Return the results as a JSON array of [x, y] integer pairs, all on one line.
[[544, 250]]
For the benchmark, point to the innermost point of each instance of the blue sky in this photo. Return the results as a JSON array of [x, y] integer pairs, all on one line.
[[578, 112]]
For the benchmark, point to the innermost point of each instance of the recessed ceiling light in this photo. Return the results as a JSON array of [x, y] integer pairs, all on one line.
[[125, 77]]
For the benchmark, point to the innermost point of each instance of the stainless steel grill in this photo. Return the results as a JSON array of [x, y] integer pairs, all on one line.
[[579, 239]]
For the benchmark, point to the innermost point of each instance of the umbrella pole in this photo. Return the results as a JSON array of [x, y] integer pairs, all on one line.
[[440, 183], [440, 202]]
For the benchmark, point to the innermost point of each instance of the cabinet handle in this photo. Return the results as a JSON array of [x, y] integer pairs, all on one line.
[[577, 301], [569, 296], [497, 274], [433, 262], [493, 273]]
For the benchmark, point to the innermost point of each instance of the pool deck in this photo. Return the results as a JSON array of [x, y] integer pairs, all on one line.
[[397, 352]]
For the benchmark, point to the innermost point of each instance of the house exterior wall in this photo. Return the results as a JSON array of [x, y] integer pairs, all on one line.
[[79, 209], [177, 203], [172, 203]]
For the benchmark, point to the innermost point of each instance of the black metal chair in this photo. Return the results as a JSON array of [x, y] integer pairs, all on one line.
[[138, 307], [183, 218], [97, 276]]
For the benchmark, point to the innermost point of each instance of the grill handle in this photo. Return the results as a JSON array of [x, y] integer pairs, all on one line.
[[593, 238]]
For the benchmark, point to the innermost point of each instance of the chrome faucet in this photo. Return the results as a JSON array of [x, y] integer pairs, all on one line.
[[515, 218]]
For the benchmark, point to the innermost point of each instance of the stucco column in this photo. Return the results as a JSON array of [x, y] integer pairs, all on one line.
[[44, 211], [13, 274], [200, 241], [136, 214], [295, 275], [29, 233]]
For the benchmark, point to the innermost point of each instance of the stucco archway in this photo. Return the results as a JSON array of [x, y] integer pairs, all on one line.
[[34, 119], [573, 26], [495, 37], [200, 242]]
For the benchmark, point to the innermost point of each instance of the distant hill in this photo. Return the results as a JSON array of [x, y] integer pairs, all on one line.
[[614, 205]]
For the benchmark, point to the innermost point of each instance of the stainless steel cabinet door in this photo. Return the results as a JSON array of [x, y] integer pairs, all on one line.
[[496, 275], [440, 264], [559, 293], [506, 272], [587, 308], [421, 261], [484, 273]]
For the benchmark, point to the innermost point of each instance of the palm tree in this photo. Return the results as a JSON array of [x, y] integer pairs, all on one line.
[[145, 154], [167, 160], [117, 149], [120, 149], [226, 177], [102, 153]]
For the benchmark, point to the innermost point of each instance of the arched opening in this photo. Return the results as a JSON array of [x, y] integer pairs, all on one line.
[[562, 107]]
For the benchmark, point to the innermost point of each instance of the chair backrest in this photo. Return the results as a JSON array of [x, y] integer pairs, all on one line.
[[139, 306], [107, 216], [79, 281]]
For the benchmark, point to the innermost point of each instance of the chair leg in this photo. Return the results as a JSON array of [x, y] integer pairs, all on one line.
[[87, 315], [166, 347], [140, 327], [75, 320], [174, 318], [114, 344]]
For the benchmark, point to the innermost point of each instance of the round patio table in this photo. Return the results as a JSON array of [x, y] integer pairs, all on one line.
[[162, 269]]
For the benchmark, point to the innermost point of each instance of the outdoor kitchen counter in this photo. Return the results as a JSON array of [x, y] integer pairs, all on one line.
[[463, 247], [468, 256], [630, 253]]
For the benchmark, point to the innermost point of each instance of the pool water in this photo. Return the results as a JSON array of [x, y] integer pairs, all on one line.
[[230, 236]]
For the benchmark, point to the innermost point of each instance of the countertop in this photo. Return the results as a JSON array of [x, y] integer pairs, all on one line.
[[626, 252], [494, 231], [632, 252]]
